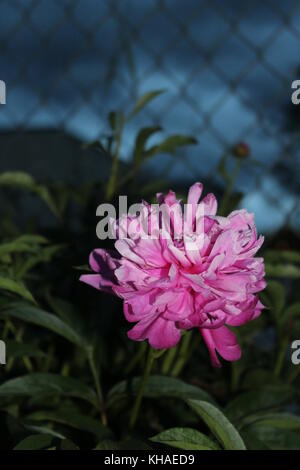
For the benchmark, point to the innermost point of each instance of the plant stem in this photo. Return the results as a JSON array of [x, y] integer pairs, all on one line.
[[226, 198], [95, 375], [168, 360], [293, 375], [137, 358], [183, 355], [111, 185], [138, 401], [281, 356]]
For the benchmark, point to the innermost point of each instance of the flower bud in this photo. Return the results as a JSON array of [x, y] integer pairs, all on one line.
[[241, 150]]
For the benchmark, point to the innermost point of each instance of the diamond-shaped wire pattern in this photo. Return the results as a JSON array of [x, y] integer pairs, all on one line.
[[227, 67]]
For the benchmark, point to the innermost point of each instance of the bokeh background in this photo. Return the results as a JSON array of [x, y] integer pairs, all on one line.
[[226, 68], [219, 73]]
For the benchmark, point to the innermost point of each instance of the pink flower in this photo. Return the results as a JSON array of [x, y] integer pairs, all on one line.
[[205, 276]]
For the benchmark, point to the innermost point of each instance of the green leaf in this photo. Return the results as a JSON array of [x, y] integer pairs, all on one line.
[[291, 313], [274, 296], [257, 378], [252, 442], [19, 179], [127, 444], [274, 438], [116, 120], [15, 287], [74, 419], [108, 444], [43, 430], [83, 267], [289, 271], [39, 317], [42, 384], [35, 442], [265, 398], [31, 239], [185, 438], [144, 100], [23, 244], [15, 349], [66, 311], [171, 144], [44, 255], [141, 141], [219, 425], [97, 145], [157, 387], [67, 444], [275, 256], [276, 420]]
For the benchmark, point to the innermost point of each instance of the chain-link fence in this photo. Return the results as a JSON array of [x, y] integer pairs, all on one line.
[[226, 66]]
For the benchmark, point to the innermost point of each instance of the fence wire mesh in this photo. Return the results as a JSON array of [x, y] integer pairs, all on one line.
[[226, 66]]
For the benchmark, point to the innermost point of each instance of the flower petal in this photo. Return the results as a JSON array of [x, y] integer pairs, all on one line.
[[223, 341]]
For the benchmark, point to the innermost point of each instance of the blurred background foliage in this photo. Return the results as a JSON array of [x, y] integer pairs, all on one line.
[[190, 101]]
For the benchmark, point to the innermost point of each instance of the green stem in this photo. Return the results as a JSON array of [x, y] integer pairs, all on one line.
[[168, 360], [111, 185], [293, 375], [281, 356], [95, 375], [183, 355], [8, 326], [137, 358], [226, 198], [26, 359], [138, 401]]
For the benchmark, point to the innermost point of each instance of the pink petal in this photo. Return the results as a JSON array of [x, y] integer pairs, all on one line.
[[130, 272], [208, 206], [103, 261], [195, 192], [98, 282], [151, 251], [223, 341], [168, 199], [162, 334], [125, 248]]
